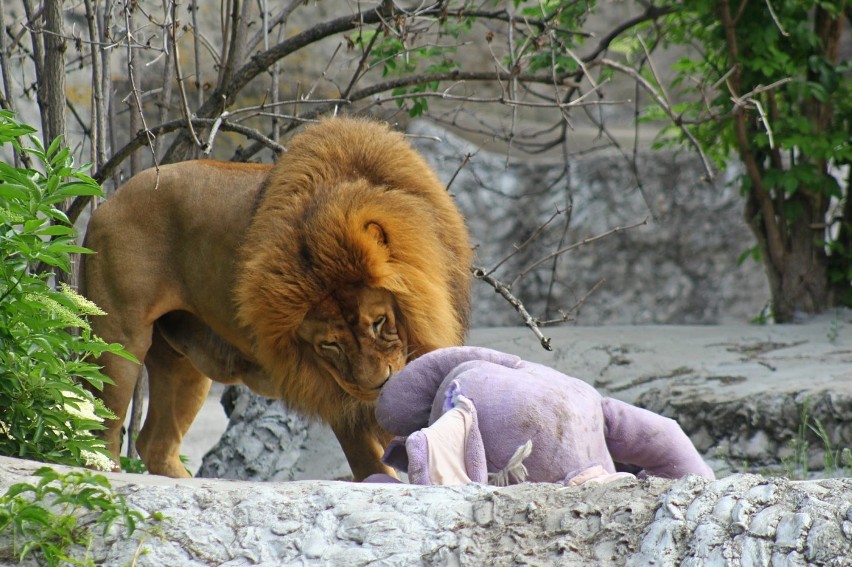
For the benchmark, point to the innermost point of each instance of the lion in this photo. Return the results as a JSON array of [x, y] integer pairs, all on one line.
[[311, 281]]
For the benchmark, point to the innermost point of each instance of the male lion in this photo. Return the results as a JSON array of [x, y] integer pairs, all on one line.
[[312, 281]]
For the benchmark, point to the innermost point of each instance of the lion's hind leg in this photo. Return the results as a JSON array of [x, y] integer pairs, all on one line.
[[124, 375], [116, 397], [177, 391]]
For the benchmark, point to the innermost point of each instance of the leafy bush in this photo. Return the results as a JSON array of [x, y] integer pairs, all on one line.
[[45, 414], [54, 517]]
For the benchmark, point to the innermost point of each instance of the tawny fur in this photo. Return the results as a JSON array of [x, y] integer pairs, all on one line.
[[334, 180], [207, 268]]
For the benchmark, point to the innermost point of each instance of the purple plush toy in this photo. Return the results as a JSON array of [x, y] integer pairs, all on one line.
[[468, 414]]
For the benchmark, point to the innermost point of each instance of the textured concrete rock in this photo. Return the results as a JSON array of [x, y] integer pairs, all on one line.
[[750, 520], [265, 441], [682, 267], [739, 520]]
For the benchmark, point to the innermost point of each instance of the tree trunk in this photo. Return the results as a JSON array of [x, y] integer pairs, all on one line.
[[53, 80], [799, 282]]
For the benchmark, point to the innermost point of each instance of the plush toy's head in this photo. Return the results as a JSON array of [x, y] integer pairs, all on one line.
[[405, 403], [467, 414]]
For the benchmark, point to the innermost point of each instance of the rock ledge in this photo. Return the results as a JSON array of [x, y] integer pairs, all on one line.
[[740, 519]]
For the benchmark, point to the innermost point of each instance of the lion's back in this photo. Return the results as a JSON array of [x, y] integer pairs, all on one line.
[[168, 231]]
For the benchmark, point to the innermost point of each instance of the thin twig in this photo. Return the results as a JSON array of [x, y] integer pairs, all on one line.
[[666, 108], [506, 293], [565, 314], [468, 156], [748, 99], [522, 245], [775, 19], [184, 103], [574, 246], [653, 69], [152, 140]]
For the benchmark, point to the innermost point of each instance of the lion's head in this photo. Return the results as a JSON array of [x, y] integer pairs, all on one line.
[[355, 262], [357, 337]]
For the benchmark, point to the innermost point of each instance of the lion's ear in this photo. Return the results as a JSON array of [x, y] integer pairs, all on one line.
[[375, 230]]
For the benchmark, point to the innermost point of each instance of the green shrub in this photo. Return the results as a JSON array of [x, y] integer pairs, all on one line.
[[45, 414], [46, 348], [55, 519]]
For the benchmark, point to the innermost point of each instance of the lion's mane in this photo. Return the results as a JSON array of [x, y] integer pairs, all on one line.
[[310, 237]]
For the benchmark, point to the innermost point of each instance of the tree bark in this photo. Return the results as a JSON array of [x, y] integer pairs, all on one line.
[[53, 80]]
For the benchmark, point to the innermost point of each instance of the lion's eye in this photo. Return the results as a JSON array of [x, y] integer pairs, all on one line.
[[331, 346], [378, 324]]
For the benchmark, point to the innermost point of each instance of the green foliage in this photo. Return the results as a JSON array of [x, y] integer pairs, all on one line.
[[135, 466], [794, 113], [549, 51], [46, 414], [544, 33], [836, 461], [61, 512], [397, 59]]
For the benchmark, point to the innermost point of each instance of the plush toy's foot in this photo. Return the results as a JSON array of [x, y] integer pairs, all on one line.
[[594, 474]]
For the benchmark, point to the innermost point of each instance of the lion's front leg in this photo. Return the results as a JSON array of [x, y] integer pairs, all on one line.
[[177, 391], [363, 447]]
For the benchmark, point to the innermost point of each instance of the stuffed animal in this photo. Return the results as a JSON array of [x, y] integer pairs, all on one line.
[[469, 414]]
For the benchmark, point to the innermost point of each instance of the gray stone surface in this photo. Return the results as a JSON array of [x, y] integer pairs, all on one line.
[[265, 441], [738, 520], [682, 267]]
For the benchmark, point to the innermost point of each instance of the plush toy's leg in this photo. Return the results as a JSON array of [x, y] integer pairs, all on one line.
[[449, 451], [417, 447], [655, 443]]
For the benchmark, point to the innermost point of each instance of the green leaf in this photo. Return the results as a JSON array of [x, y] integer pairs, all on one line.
[[77, 189], [56, 230], [71, 248]]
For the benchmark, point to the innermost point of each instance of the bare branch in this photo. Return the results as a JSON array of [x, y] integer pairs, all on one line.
[[775, 19], [465, 161], [708, 169], [184, 103], [529, 239], [141, 139], [506, 293], [574, 246], [565, 315], [134, 92]]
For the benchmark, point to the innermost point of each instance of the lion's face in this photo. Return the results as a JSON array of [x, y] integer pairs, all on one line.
[[358, 338]]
